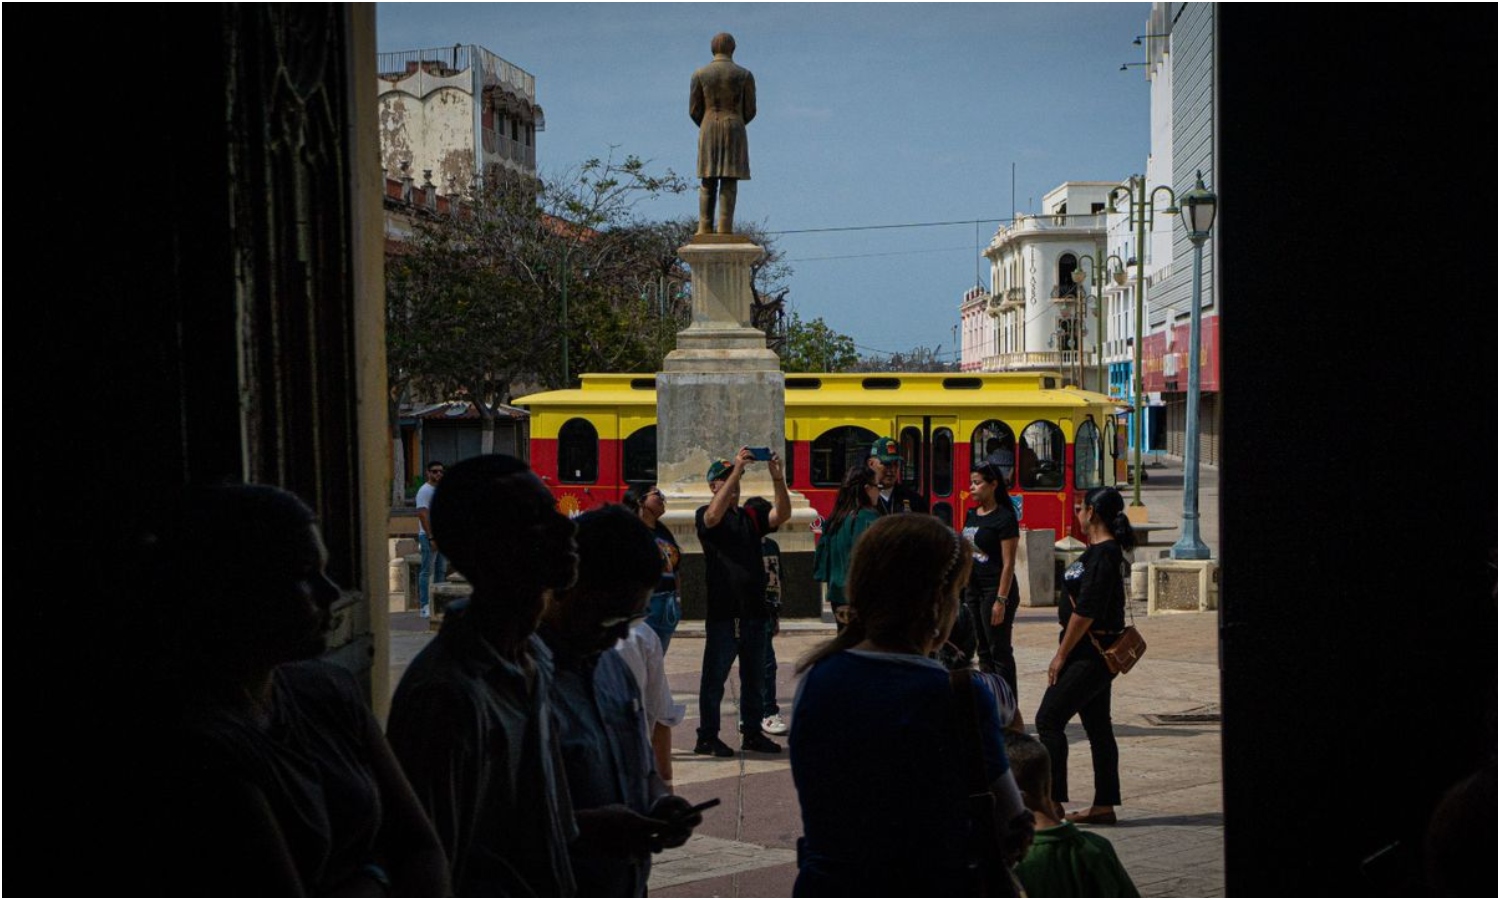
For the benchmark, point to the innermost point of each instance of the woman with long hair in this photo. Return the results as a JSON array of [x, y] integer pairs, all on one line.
[[665, 611], [853, 512], [878, 742], [992, 595], [281, 782], [1092, 616]]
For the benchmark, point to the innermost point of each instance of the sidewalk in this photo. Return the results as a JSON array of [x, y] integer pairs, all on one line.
[[1170, 834]]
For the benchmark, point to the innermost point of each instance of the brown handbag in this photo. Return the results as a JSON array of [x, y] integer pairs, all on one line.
[[1124, 653]]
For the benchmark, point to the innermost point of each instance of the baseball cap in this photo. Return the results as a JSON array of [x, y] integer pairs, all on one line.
[[719, 469], [886, 450]]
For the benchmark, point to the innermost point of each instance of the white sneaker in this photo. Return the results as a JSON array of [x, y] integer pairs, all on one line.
[[774, 724], [426, 612]]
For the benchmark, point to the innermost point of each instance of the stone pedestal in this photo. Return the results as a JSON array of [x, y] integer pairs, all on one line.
[[720, 390], [720, 337], [1182, 585], [1035, 567]]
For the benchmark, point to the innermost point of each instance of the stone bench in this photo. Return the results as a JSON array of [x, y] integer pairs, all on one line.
[[444, 593]]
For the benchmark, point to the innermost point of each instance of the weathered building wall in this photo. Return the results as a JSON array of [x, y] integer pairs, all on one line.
[[428, 121]]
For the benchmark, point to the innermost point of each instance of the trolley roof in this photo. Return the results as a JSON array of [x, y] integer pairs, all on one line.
[[870, 389]]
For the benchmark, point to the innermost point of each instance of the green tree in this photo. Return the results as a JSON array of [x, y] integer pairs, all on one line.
[[475, 298], [918, 359], [815, 347]]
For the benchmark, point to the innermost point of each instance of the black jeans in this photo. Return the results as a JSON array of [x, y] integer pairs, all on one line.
[[994, 641], [1082, 689], [723, 641]]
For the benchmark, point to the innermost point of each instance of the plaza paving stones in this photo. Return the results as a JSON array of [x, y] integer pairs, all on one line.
[[1170, 836]]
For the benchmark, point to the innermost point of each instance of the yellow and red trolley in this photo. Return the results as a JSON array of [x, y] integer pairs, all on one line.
[[591, 443]]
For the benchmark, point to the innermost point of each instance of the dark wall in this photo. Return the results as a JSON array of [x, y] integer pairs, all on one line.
[[1357, 186], [185, 315]]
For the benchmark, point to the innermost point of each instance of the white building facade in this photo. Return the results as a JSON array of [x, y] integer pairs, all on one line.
[[1182, 69], [1043, 317], [976, 331]]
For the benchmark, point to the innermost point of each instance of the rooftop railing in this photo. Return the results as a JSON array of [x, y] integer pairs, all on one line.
[[449, 61]]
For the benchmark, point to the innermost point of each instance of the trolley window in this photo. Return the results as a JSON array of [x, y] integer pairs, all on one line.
[[994, 442], [1040, 463], [911, 458], [835, 450], [639, 454], [942, 462], [578, 452], [1088, 457]]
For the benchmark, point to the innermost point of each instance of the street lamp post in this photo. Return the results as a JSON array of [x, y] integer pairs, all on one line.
[[1198, 208], [1096, 271], [1142, 211]]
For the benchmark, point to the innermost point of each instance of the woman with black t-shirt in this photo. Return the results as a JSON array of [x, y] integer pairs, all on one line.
[[1093, 610], [992, 596], [665, 611]]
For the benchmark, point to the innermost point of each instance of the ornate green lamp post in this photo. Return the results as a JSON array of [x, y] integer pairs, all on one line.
[[1142, 211], [1198, 208]]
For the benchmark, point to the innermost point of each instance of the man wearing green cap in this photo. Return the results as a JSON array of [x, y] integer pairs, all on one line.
[[885, 459], [735, 623]]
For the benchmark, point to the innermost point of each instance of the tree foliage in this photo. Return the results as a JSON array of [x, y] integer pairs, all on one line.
[[917, 359], [475, 297], [815, 347]]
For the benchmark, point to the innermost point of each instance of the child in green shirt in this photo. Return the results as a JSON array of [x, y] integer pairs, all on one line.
[[1064, 860]]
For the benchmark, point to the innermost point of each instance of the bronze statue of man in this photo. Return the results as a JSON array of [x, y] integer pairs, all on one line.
[[721, 104]]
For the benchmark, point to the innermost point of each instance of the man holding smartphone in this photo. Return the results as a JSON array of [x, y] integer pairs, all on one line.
[[736, 619]]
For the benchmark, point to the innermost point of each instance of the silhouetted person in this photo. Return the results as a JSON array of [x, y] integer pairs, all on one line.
[[278, 780], [624, 808], [472, 718]]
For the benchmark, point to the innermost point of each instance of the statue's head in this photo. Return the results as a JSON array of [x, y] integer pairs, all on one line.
[[723, 42]]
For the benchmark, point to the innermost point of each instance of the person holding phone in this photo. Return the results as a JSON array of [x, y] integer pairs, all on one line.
[[625, 811], [735, 625]]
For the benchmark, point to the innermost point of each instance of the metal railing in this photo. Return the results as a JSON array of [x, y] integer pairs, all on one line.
[[1037, 359], [446, 62]]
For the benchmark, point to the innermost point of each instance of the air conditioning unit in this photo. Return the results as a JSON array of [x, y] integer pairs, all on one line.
[[1182, 585]]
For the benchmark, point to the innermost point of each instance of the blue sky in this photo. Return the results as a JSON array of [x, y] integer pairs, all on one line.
[[869, 114]]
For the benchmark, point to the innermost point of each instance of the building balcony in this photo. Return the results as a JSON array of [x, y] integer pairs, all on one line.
[[498, 147], [1024, 225], [1038, 360]]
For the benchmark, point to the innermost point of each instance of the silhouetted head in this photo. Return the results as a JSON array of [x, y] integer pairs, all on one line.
[[239, 572], [619, 565], [904, 578], [722, 44], [498, 524]]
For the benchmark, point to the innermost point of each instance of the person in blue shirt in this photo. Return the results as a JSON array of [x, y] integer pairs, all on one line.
[[624, 810], [878, 755]]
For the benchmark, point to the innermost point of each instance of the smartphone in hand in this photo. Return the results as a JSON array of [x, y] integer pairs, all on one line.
[[762, 454]]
